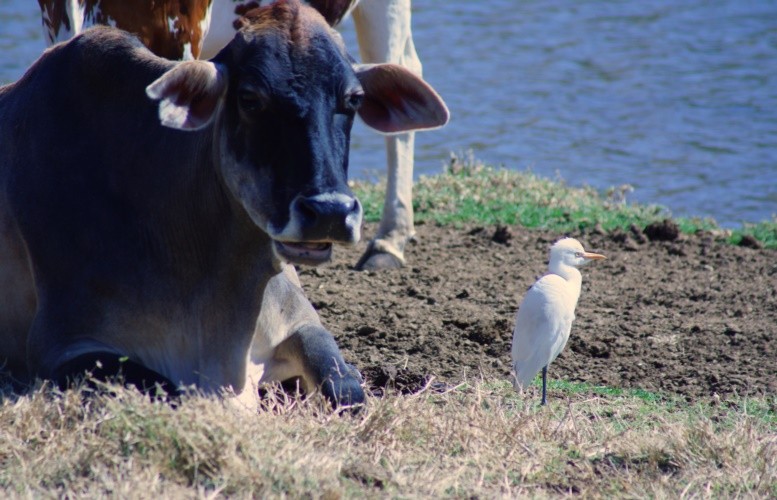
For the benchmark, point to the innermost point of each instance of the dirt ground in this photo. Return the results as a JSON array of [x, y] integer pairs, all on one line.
[[679, 314]]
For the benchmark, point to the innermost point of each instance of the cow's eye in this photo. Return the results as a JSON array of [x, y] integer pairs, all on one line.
[[353, 100], [252, 101]]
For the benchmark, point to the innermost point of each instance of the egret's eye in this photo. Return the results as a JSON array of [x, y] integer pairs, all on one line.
[[578, 254], [252, 100], [353, 100]]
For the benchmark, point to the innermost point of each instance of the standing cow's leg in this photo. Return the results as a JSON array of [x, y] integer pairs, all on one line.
[[61, 20], [383, 30]]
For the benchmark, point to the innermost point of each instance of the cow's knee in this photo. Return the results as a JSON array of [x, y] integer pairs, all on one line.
[[111, 367], [322, 366]]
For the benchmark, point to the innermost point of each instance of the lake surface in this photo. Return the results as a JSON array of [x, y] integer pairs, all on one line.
[[677, 98]]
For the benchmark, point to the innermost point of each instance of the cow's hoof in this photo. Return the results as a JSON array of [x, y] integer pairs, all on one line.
[[344, 390], [346, 393], [378, 261]]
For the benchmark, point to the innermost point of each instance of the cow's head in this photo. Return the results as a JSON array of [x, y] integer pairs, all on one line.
[[282, 97]]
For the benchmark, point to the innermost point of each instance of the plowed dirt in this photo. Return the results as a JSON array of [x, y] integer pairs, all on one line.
[[665, 312]]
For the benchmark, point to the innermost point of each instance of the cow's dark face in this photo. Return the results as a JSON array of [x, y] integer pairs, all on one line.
[[284, 135], [283, 96]]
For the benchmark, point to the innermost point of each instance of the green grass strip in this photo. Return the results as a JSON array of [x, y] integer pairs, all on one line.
[[469, 191]]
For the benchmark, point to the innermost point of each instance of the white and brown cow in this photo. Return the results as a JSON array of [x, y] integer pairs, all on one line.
[[174, 29], [194, 28], [150, 210]]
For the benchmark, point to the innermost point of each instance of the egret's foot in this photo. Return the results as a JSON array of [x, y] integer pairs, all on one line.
[[374, 260]]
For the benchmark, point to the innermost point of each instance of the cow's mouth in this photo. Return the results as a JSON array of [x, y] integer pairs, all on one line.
[[304, 253]]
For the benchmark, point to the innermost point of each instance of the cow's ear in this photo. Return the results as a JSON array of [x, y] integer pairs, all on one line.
[[396, 100], [190, 94]]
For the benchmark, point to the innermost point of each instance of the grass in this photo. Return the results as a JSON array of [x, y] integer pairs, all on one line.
[[469, 191], [481, 439]]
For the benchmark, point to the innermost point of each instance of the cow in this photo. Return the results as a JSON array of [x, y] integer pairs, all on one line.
[[194, 28], [152, 211], [174, 29]]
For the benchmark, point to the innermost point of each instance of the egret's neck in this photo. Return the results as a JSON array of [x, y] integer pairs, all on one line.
[[569, 273]]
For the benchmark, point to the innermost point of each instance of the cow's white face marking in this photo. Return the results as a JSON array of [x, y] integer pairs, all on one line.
[[171, 25]]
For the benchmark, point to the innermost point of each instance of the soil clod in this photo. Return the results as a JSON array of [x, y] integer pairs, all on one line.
[[665, 230]]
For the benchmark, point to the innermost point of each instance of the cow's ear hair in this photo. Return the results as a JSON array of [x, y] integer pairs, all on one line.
[[396, 100], [190, 94]]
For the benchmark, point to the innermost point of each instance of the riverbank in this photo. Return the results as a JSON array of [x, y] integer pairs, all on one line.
[[469, 191]]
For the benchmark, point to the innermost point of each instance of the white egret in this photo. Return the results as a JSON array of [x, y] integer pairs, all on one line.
[[544, 319]]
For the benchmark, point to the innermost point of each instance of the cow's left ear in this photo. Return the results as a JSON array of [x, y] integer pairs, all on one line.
[[396, 100], [190, 94]]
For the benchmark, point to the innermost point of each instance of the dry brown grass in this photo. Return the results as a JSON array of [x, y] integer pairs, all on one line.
[[478, 440]]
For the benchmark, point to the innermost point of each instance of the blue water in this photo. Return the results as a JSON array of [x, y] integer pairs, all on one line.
[[677, 98]]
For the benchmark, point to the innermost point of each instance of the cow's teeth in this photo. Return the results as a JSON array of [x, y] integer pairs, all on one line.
[[311, 246], [304, 252]]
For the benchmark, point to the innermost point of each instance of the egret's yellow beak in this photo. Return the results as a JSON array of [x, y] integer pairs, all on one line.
[[593, 256]]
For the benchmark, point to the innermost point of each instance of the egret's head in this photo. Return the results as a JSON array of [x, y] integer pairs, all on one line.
[[569, 251]]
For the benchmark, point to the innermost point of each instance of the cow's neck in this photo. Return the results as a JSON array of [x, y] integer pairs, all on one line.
[[217, 244]]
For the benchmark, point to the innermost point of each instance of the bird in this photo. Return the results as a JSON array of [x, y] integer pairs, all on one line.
[[544, 318]]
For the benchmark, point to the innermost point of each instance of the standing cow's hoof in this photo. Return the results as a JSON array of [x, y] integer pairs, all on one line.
[[373, 260]]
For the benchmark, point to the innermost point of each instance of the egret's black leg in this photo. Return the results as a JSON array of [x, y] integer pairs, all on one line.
[[544, 385]]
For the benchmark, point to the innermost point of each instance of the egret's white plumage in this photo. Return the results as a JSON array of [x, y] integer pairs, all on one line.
[[544, 319]]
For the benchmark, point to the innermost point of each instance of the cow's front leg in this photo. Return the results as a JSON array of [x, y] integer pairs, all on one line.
[[314, 358], [291, 344], [383, 30]]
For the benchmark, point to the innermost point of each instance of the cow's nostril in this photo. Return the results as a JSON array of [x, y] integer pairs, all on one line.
[[307, 211]]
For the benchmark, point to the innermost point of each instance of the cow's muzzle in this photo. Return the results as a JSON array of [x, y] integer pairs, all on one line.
[[315, 223]]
